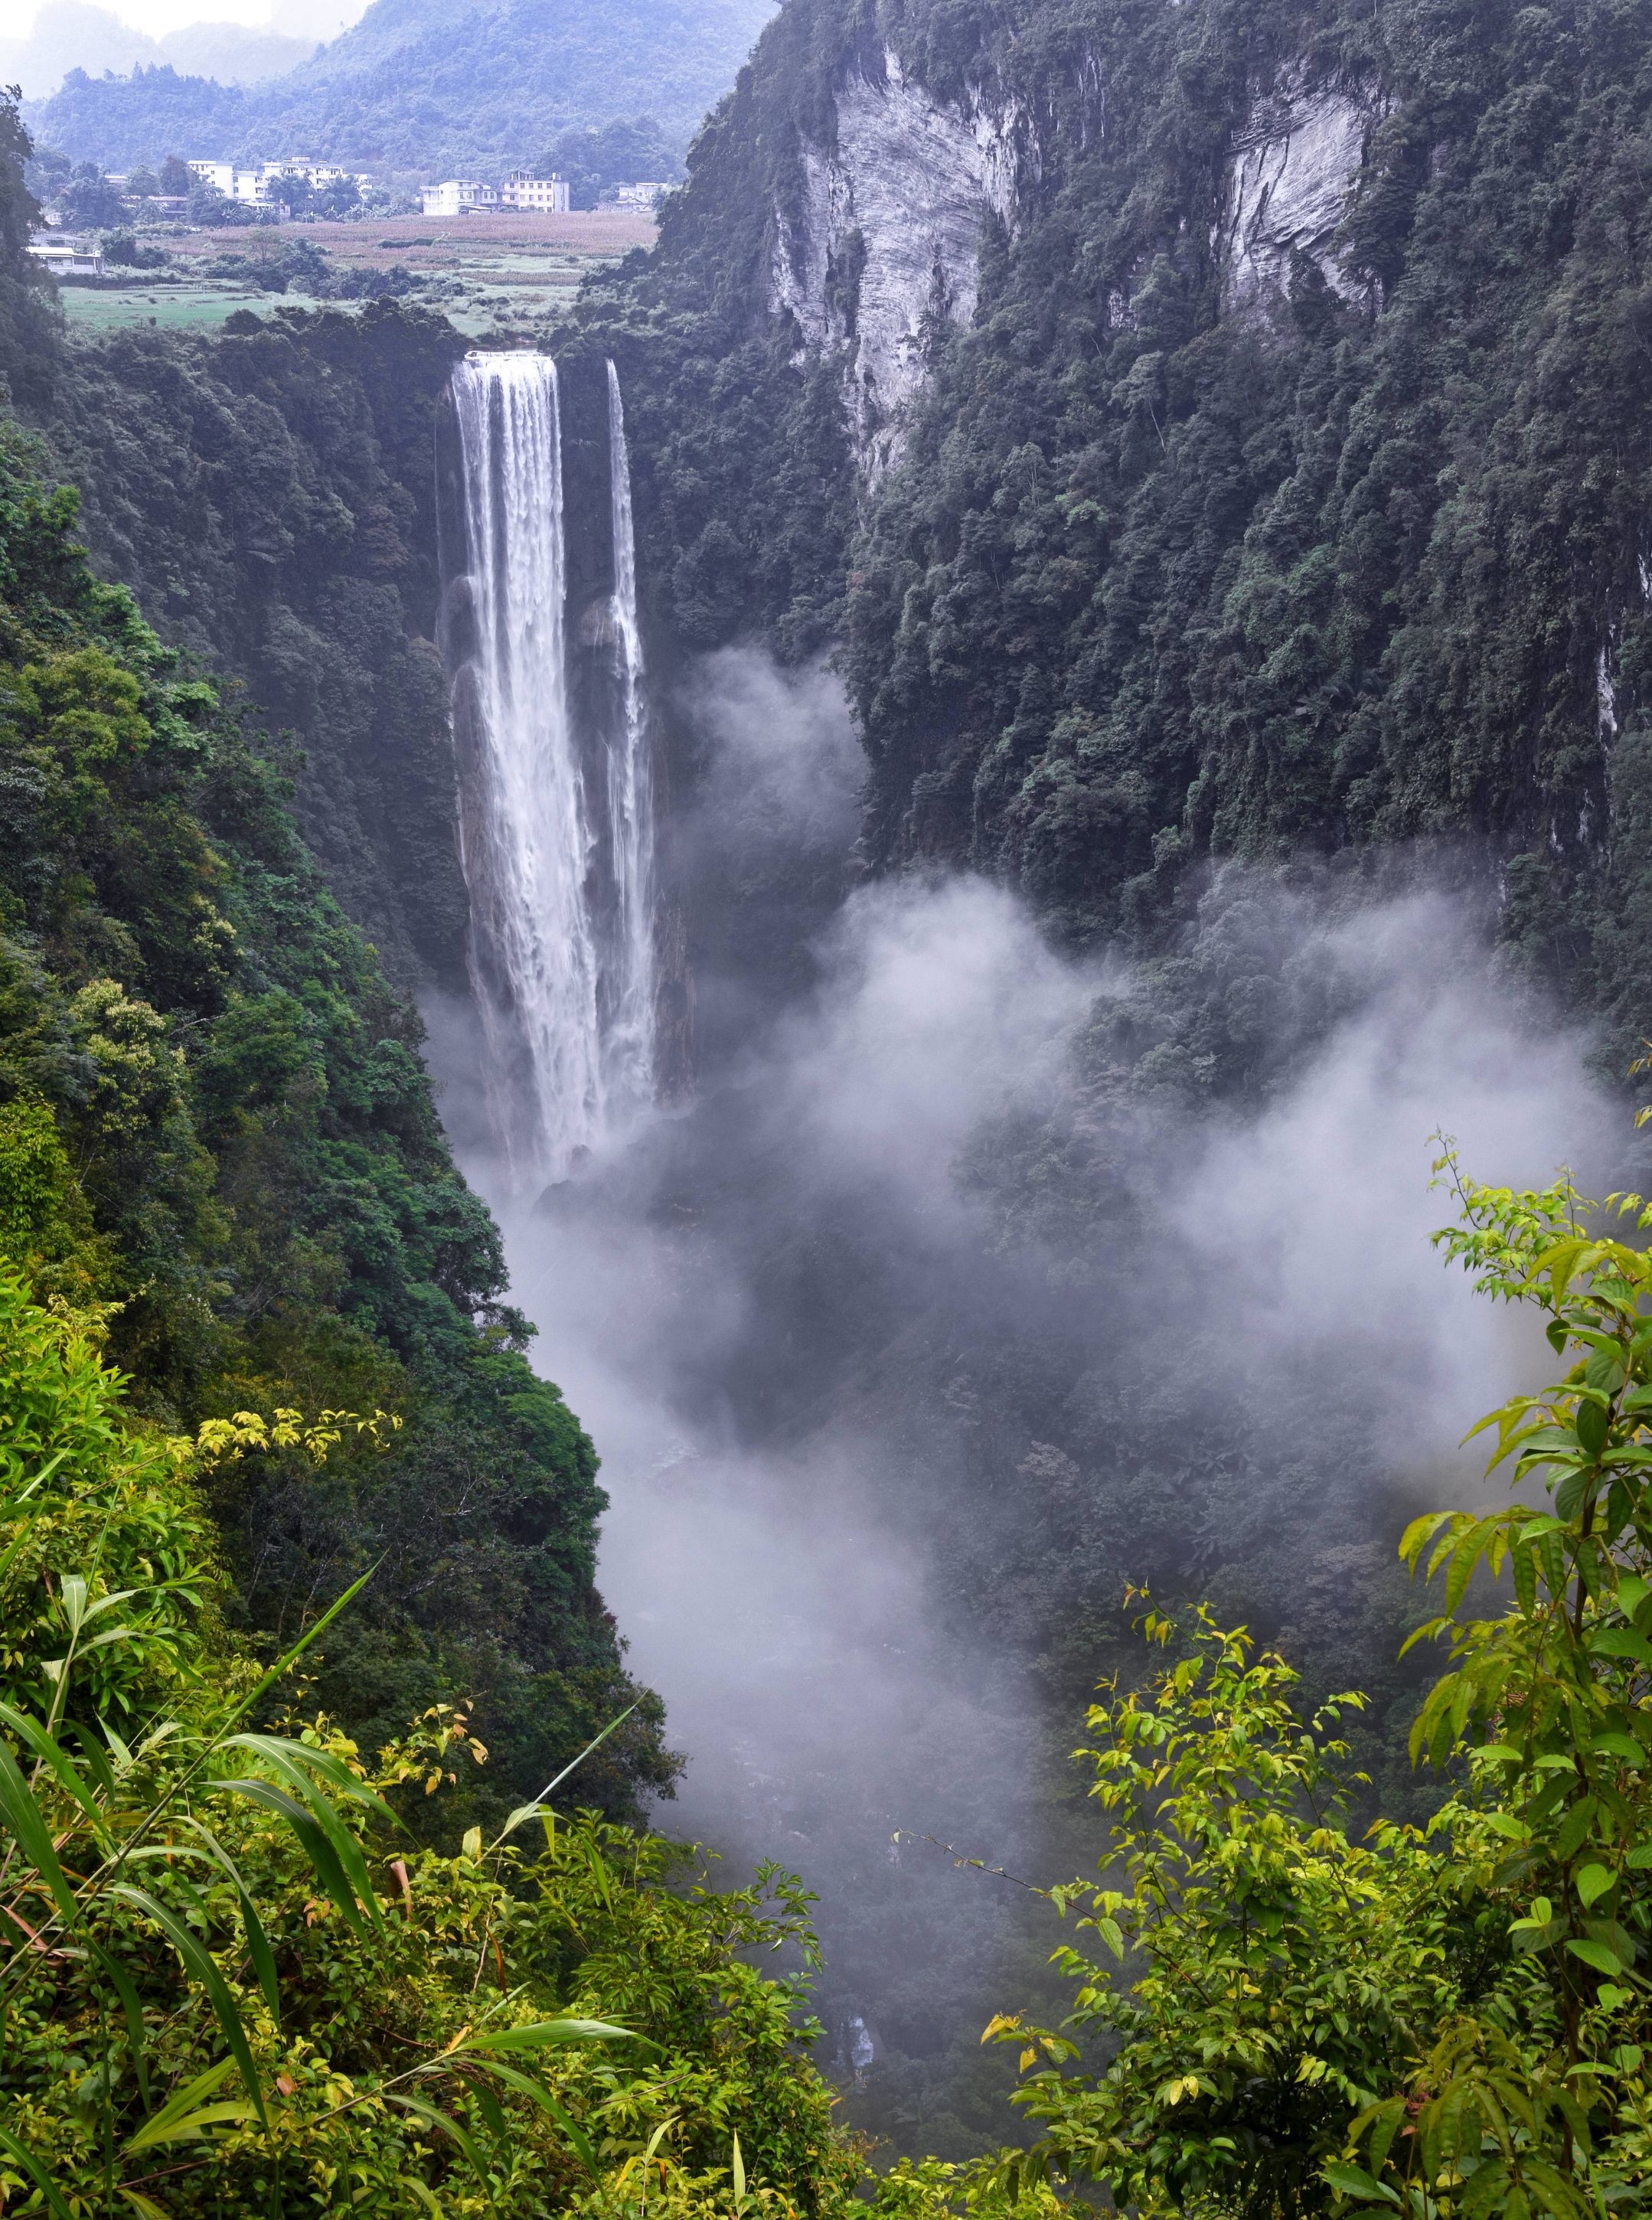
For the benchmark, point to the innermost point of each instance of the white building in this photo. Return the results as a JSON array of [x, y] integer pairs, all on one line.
[[458, 196], [525, 189], [67, 258], [638, 200], [235, 185], [256, 184]]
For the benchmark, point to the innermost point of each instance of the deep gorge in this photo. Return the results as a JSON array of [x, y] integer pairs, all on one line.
[[1134, 538]]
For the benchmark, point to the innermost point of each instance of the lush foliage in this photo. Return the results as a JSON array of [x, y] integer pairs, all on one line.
[[234, 1983], [1168, 572], [1449, 2020], [213, 1114], [436, 92]]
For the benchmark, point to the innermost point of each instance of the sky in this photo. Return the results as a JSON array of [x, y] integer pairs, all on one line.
[[302, 19]]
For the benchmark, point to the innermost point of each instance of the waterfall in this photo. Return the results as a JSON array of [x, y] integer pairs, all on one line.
[[628, 1034], [556, 825]]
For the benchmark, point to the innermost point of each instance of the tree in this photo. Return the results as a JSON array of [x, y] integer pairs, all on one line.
[[176, 176], [89, 199], [1445, 2020]]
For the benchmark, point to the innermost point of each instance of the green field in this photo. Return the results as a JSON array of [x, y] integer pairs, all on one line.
[[169, 308]]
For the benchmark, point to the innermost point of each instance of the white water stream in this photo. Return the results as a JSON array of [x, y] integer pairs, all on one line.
[[555, 824]]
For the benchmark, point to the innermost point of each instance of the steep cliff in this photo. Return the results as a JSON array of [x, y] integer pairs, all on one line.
[[1243, 412]]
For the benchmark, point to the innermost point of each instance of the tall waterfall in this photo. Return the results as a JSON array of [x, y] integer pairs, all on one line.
[[555, 824], [629, 981]]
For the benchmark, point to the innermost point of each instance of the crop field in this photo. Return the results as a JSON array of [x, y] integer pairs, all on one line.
[[486, 273], [169, 308]]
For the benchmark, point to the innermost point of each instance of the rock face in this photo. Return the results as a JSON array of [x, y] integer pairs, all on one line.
[[883, 240], [1288, 183]]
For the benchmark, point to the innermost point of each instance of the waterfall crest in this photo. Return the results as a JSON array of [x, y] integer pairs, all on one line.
[[555, 824]]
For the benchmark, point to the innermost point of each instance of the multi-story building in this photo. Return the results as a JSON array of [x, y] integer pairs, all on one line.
[[458, 196], [638, 199], [526, 188], [235, 185], [257, 183]]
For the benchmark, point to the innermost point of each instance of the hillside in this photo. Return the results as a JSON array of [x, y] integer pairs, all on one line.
[[1223, 430], [426, 87], [214, 1119], [71, 34]]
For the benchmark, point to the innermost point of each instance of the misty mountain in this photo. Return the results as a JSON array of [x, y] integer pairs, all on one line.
[[70, 36], [426, 87], [1202, 430]]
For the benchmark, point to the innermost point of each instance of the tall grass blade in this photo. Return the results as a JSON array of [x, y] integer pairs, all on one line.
[[21, 1816], [198, 1959]]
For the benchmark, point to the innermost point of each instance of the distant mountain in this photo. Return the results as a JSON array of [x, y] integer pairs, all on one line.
[[71, 35], [426, 87]]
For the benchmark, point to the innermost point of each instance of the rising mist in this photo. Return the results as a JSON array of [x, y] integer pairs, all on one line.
[[977, 1279]]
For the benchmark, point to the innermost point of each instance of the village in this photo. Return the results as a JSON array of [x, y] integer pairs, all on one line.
[[189, 198]]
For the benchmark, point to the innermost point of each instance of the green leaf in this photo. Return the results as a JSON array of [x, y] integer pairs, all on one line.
[[1591, 1881], [318, 1847], [524, 2085], [1354, 2181], [198, 1959], [189, 2125], [52, 1754], [183, 2100], [539, 2034], [35, 2172], [1597, 1956], [525, 1812], [1621, 1641], [132, 2012], [1592, 1422], [21, 1815]]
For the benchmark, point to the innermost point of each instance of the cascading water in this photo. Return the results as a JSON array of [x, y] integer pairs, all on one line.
[[556, 825], [628, 1014]]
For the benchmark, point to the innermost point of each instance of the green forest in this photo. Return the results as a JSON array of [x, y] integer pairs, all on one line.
[[338, 1870], [413, 90]]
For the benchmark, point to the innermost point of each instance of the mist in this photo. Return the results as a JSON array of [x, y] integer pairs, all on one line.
[[978, 1280]]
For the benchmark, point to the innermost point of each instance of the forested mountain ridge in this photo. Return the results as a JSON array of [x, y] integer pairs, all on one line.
[[426, 89], [215, 1119], [1241, 417]]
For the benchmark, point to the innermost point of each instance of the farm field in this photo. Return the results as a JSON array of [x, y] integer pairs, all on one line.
[[487, 273]]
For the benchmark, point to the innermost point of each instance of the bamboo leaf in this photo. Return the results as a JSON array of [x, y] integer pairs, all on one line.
[[541, 2033], [52, 1754], [524, 2085], [528, 1811], [189, 2124], [183, 2100], [198, 1959], [132, 2012], [435, 2118], [316, 1845], [22, 1816]]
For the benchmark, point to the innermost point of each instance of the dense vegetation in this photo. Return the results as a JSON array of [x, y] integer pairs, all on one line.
[[424, 92], [69, 34], [215, 1119], [235, 1982], [238, 1984], [1162, 577]]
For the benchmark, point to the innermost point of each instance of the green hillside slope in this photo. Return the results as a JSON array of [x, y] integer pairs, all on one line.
[[215, 1119], [425, 88], [1186, 543]]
